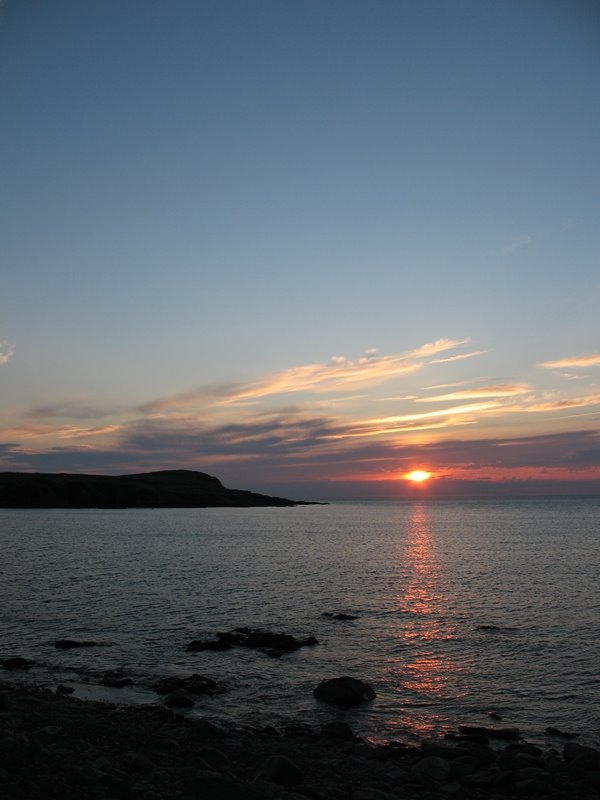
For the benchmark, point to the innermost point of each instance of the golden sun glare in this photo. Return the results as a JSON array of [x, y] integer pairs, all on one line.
[[418, 476]]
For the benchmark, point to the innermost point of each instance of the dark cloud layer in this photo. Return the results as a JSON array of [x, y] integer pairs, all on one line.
[[274, 450]]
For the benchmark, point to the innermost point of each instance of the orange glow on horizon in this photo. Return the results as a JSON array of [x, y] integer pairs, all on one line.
[[418, 476]]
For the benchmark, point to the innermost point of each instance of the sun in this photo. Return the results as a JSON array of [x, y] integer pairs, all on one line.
[[418, 476]]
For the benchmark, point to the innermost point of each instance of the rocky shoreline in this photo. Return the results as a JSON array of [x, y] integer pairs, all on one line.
[[56, 746]]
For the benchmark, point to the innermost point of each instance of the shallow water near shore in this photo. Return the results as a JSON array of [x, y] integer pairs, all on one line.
[[464, 607]]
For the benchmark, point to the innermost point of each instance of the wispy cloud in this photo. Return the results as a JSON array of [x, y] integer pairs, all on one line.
[[70, 409], [501, 390], [7, 351], [339, 375], [460, 357], [517, 242], [591, 360]]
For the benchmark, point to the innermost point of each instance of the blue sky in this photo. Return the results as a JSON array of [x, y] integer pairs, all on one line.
[[203, 200]]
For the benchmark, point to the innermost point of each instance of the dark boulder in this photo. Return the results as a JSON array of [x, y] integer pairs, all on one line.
[[68, 644], [115, 679], [340, 616], [273, 644], [280, 770], [62, 689], [563, 734], [578, 755], [179, 699], [432, 769], [337, 730], [492, 733], [16, 663], [344, 691], [199, 645]]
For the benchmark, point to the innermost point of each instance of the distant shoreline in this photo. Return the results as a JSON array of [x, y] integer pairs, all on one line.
[[164, 489]]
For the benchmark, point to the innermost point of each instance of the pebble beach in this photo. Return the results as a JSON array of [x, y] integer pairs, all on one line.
[[57, 746]]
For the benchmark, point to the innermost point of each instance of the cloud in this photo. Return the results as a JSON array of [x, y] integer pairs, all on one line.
[[7, 351], [259, 454], [339, 375], [561, 403], [517, 242], [70, 409], [461, 357], [592, 360], [439, 346], [501, 390]]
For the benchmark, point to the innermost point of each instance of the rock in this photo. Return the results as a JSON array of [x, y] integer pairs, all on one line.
[[515, 760], [344, 691], [271, 643], [214, 759], [298, 730], [115, 678], [494, 715], [202, 730], [337, 730], [585, 758], [199, 645], [179, 699], [563, 734], [340, 616], [16, 663], [67, 644], [193, 684], [432, 769], [61, 689], [492, 733], [280, 770], [369, 793], [433, 748], [465, 765]]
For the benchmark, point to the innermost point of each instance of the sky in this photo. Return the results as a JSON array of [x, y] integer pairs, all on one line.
[[305, 246]]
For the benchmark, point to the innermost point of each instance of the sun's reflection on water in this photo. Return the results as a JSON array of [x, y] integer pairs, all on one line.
[[423, 670]]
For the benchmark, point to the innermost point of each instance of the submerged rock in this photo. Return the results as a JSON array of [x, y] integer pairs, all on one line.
[[193, 684], [492, 733], [344, 691], [563, 734], [67, 644], [199, 645], [340, 616], [16, 663]]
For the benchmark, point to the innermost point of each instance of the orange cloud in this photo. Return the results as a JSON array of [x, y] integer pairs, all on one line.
[[592, 360], [339, 375], [459, 357], [501, 390], [7, 351]]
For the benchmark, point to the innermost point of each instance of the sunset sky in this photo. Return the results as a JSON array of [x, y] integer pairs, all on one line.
[[305, 246]]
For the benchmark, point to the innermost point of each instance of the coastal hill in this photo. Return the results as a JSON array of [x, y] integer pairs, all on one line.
[[166, 489]]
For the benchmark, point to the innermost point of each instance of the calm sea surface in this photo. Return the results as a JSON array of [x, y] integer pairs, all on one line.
[[465, 607]]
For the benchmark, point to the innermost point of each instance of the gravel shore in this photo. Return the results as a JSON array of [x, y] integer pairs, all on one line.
[[52, 746]]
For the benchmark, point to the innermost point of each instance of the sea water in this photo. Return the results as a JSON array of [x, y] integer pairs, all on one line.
[[464, 607]]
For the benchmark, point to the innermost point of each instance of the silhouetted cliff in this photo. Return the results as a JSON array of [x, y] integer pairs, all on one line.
[[166, 489]]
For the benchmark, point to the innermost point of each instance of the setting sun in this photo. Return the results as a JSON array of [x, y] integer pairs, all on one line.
[[418, 476]]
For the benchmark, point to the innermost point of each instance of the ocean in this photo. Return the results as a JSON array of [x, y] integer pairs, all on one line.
[[464, 608]]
